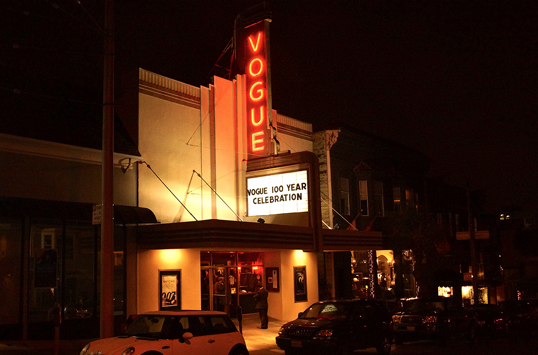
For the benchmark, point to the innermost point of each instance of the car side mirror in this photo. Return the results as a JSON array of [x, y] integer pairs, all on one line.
[[185, 337], [300, 314]]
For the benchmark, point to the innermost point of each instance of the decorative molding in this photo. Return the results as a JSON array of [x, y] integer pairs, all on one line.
[[52, 150]]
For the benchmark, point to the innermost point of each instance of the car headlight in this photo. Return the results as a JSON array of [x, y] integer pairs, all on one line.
[[128, 351], [282, 331], [84, 349], [324, 334], [396, 319]]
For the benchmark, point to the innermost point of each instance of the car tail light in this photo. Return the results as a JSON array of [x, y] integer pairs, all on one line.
[[430, 319]]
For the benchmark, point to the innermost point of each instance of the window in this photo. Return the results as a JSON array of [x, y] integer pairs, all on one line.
[[363, 197], [344, 196], [221, 325], [378, 198], [397, 196], [410, 198]]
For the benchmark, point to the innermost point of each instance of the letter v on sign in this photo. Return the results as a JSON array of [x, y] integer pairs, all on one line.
[[255, 47]]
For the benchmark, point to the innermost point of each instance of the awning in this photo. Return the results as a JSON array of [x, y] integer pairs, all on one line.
[[34, 208]]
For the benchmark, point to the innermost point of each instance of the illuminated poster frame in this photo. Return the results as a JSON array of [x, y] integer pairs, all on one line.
[[299, 282], [170, 290], [278, 193]]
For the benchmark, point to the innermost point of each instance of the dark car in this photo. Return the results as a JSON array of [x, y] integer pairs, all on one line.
[[436, 318], [485, 320], [521, 315], [338, 326]]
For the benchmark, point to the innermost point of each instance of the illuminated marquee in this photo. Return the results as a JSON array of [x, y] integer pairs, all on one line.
[[258, 92], [277, 194]]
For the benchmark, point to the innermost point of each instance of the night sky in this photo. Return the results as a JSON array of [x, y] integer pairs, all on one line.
[[456, 80]]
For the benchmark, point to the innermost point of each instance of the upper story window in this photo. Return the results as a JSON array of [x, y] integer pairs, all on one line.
[[397, 196], [344, 196], [363, 197], [410, 198], [378, 198]]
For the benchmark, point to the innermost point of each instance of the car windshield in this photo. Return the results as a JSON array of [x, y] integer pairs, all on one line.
[[329, 311], [423, 306], [149, 326]]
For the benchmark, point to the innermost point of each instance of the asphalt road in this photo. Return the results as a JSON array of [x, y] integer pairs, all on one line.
[[523, 344]]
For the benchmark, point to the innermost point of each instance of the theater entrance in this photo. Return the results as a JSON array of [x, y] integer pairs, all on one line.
[[229, 280]]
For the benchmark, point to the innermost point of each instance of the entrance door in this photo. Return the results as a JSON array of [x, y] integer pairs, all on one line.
[[229, 280]]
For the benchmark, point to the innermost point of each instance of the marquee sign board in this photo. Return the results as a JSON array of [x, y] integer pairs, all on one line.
[[277, 194]]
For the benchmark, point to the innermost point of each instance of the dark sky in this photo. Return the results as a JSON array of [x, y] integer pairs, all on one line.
[[456, 80]]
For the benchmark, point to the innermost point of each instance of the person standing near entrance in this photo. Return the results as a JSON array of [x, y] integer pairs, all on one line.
[[262, 305]]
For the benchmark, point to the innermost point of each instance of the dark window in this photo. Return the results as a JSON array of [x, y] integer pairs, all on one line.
[[221, 325]]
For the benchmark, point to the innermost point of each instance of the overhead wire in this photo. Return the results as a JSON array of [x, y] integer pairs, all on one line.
[[181, 203]]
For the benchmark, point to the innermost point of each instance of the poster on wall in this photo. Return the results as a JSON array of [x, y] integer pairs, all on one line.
[[273, 279], [170, 290], [299, 274]]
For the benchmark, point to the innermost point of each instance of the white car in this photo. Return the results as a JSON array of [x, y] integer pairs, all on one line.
[[171, 333]]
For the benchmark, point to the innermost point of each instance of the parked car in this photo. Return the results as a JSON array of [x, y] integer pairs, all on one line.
[[485, 320], [171, 333], [521, 315], [338, 326], [436, 318]]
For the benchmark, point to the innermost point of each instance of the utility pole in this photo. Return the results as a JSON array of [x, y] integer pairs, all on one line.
[[107, 223], [474, 265]]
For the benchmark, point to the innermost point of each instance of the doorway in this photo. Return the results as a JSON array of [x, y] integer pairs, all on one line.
[[229, 280]]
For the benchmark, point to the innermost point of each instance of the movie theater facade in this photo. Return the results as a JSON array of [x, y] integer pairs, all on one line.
[[235, 186], [230, 219]]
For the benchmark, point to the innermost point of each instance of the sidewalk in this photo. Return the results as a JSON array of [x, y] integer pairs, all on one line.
[[256, 339]]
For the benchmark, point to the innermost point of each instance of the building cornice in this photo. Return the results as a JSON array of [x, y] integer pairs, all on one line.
[[52, 150]]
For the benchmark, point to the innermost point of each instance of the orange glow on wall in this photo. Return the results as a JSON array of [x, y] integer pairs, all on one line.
[[258, 129]]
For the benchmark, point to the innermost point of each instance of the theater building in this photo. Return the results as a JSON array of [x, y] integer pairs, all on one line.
[[215, 192]]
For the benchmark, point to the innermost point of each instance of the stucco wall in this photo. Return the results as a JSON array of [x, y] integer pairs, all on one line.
[[149, 264], [282, 304]]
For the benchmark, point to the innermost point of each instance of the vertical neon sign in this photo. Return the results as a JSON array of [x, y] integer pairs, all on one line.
[[258, 90]]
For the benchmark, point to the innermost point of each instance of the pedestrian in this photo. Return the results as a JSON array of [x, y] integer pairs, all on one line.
[[262, 305]]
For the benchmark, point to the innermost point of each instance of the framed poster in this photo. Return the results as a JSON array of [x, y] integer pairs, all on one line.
[[299, 276], [170, 290], [272, 281]]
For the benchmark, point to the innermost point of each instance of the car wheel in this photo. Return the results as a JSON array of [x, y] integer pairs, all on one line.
[[239, 352], [384, 346], [291, 352]]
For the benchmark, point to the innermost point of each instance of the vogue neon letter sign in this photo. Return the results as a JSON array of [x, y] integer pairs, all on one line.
[[257, 94]]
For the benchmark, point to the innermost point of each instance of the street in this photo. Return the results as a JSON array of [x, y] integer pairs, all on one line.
[[501, 346]]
